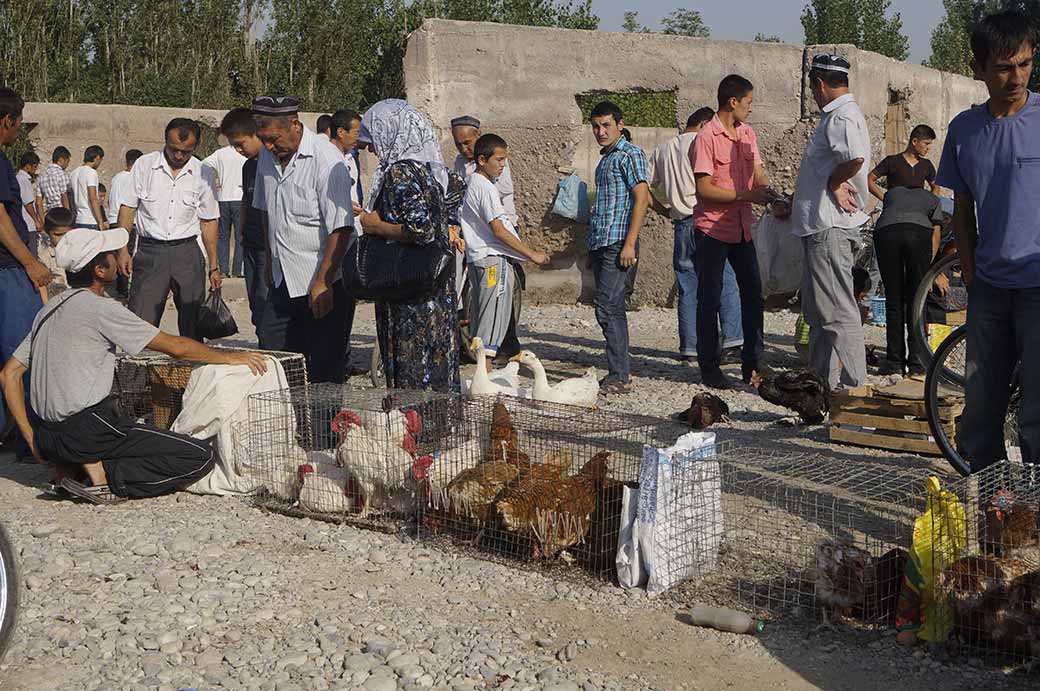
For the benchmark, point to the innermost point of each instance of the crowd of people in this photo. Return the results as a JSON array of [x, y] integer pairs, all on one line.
[[290, 200]]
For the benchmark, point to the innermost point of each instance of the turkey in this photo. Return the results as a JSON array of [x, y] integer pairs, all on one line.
[[801, 390]]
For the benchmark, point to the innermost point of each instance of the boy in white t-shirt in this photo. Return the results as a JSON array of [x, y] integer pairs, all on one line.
[[86, 192], [491, 244]]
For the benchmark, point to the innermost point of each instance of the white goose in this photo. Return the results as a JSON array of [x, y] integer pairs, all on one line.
[[580, 391], [501, 381]]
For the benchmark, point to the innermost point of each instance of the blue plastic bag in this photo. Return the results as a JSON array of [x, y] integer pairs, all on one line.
[[572, 199]]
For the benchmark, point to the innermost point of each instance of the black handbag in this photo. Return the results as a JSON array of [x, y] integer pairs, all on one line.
[[382, 270]]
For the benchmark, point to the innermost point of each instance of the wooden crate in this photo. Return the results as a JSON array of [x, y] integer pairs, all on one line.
[[865, 417]]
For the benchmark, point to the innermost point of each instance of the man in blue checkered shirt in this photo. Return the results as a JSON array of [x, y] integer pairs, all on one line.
[[622, 198]]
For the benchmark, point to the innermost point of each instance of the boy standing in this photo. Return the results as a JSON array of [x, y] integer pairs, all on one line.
[[622, 198], [239, 128], [85, 195], [54, 182], [28, 164], [730, 178], [491, 241], [991, 161]]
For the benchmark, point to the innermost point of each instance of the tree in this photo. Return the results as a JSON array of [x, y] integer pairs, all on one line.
[[771, 38], [951, 39], [863, 23], [683, 22], [631, 24]]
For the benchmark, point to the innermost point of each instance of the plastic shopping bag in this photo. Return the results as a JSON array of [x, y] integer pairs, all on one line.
[[215, 319], [630, 568], [780, 255], [680, 511], [572, 199], [940, 537]]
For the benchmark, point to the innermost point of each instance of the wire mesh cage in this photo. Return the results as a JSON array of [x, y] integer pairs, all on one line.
[[805, 534], [150, 386], [988, 587], [531, 480], [343, 454]]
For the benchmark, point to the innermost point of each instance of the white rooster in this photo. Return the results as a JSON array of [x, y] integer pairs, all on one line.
[[377, 457], [432, 473], [323, 489]]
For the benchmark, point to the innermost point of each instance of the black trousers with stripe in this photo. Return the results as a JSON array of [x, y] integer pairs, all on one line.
[[139, 460]]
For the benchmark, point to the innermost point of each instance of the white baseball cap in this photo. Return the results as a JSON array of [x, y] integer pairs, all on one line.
[[80, 245]]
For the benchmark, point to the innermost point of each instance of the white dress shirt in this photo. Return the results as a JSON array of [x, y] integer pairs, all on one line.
[[25, 189], [671, 169], [226, 164], [504, 184], [118, 192], [80, 181], [840, 137], [352, 168], [168, 207], [305, 202]]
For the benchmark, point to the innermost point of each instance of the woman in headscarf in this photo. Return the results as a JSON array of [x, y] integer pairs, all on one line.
[[409, 202]]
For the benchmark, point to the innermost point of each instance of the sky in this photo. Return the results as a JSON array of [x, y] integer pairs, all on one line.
[[742, 19]]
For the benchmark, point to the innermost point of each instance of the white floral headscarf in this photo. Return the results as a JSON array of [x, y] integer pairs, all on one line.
[[397, 131]]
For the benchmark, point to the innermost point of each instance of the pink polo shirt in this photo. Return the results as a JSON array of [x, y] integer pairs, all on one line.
[[731, 164]]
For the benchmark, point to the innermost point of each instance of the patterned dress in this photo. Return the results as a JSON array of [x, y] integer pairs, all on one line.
[[418, 340]]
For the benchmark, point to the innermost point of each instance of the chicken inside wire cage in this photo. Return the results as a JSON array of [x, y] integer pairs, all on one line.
[[991, 591]]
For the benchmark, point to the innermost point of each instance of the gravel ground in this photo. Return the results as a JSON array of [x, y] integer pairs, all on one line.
[[212, 593]]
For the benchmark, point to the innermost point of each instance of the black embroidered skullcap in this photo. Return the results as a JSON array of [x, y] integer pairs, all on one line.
[[276, 106], [830, 63], [466, 121]]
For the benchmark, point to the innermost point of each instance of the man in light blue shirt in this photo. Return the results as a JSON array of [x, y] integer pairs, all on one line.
[[991, 161], [303, 186]]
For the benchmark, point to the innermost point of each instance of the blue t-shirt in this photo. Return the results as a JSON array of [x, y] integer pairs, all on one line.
[[997, 160], [11, 198]]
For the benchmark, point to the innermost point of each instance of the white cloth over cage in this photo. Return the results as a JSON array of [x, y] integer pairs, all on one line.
[[674, 530], [215, 404]]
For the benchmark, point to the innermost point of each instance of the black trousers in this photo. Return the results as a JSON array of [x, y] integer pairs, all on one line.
[[904, 252], [139, 460], [710, 260]]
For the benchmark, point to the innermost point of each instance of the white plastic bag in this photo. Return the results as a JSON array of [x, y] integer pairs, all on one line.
[[780, 255], [631, 571], [680, 511]]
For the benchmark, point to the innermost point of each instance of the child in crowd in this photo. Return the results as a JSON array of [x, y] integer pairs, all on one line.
[[102, 193], [491, 244], [861, 285], [56, 223]]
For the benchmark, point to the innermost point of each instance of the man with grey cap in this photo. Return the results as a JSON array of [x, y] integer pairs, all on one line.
[[171, 203], [827, 212], [303, 186], [99, 455]]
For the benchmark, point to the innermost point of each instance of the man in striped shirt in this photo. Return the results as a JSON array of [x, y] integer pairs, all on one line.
[[54, 182]]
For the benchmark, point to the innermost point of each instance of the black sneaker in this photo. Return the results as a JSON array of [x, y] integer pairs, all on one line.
[[888, 367], [731, 356], [614, 387], [716, 379], [688, 360]]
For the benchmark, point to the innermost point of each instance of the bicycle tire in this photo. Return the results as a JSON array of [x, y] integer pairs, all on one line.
[[9, 593], [918, 308]]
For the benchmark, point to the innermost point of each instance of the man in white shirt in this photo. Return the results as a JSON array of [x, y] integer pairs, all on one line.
[[344, 129], [84, 184], [226, 166], [303, 186], [28, 164], [120, 190], [827, 212], [173, 204], [674, 194]]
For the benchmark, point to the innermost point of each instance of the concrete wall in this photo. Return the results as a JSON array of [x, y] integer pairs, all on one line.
[[522, 82]]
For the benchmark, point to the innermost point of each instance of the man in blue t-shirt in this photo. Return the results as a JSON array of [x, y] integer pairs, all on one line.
[[991, 161], [22, 275]]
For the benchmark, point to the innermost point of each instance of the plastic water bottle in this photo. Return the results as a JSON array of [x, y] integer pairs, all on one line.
[[724, 619]]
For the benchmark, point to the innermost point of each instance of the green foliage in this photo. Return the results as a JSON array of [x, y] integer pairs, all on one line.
[[631, 24], [683, 22], [23, 144], [770, 38], [863, 23], [951, 39], [639, 108]]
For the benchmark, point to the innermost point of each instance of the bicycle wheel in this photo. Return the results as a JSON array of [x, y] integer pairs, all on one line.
[[944, 381], [930, 307], [8, 592]]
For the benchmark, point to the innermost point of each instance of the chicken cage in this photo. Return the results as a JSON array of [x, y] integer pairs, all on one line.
[[806, 535], [343, 454], [150, 386], [987, 566]]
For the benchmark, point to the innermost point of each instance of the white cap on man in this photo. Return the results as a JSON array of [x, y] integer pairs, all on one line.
[[80, 245]]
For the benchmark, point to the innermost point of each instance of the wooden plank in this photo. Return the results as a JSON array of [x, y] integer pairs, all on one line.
[[893, 424], [956, 319], [890, 407], [881, 441]]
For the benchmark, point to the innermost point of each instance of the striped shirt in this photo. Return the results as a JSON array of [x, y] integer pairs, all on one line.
[[306, 201], [53, 183], [620, 169]]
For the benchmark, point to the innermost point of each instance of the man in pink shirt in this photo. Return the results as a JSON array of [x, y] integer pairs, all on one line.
[[730, 178]]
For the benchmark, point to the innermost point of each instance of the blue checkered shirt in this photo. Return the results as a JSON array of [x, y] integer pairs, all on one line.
[[53, 183], [619, 171]]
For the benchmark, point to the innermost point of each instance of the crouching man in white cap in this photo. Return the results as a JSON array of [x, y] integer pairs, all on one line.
[[70, 352]]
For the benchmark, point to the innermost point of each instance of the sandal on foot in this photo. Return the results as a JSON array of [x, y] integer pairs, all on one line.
[[99, 494]]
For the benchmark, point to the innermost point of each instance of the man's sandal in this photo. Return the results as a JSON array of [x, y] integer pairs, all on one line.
[[99, 494]]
